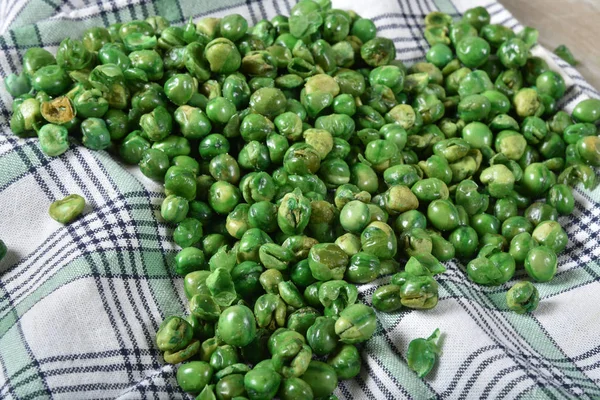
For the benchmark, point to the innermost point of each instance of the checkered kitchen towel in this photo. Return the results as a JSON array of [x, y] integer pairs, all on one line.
[[79, 304]]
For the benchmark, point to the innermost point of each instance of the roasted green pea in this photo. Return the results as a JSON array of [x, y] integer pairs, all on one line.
[[68, 209], [174, 209], [522, 297], [422, 353], [541, 263], [443, 215], [560, 196], [472, 51], [465, 241]]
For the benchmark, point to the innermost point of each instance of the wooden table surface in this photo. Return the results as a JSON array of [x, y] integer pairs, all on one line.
[[575, 23]]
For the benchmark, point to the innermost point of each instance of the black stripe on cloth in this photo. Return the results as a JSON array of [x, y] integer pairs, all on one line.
[[525, 362], [463, 368], [104, 217]]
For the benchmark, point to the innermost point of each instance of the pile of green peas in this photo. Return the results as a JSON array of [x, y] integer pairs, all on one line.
[[300, 158]]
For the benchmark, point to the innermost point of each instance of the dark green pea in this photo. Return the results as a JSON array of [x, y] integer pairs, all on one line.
[[154, 164], [496, 34], [515, 225], [95, 134], [410, 219], [262, 383], [560, 196], [465, 241], [133, 148], [148, 61], [439, 55], [51, 79], [522, 297], [537, 179], [541, 263], [173, 146], [539, 212], [223, 357], [387, 298], [494, 270], [441, 249], [321, 378], [301, 274], [295, 389], [230, 387], [485, 223], [520, 246], [346, 361], [36, 58]]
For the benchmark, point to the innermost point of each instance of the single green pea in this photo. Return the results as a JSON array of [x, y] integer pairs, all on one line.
[[237, 326], [321, 378], [422, 353], [355, 216], [51, 79], [522, 297], [495, 269], [387, 298], [174, 209], [561, 197], [465, 241], [472, 51], [552, 235], [515, 225], [223, 56], [53, 139], [587, 111], [223, 197], [513, 53], [68, 209], [327, 261], [541, 263], [520, 246], [194, 376], [474, 107], [346, 361], [188, 260], [539, 212], [363, 268], [443, 215], [262, 383], [188, 232], [321, 336]]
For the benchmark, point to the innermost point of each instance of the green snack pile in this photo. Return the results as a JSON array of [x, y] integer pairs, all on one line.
[[300, 159]]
